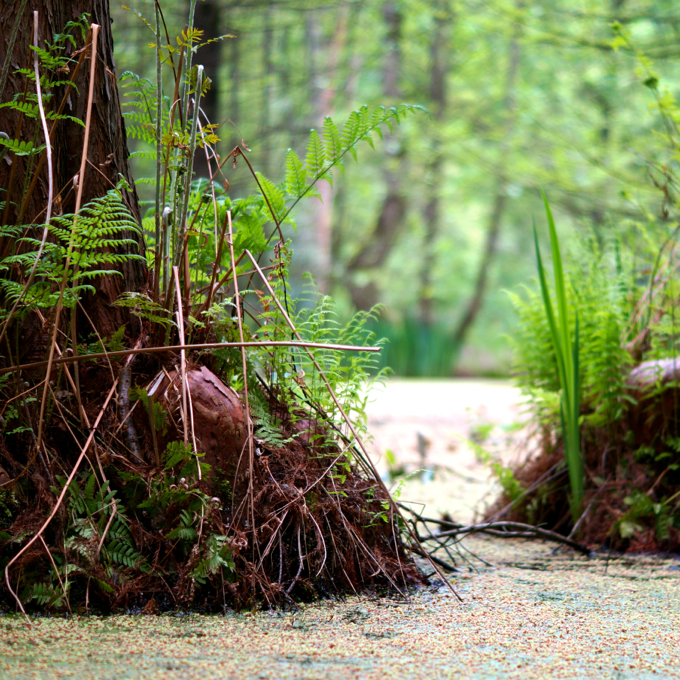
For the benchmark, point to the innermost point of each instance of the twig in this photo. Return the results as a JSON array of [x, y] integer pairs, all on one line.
[[249, 424], [64, 100], [513, 530], [572, 533], [56, 571], [423, 553], [186, 392], [218, 257], [182, 354]]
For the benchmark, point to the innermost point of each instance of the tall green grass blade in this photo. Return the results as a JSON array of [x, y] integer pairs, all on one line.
[[567, 359]]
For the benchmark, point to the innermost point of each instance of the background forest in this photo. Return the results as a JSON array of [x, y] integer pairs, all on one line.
[[436, 222]]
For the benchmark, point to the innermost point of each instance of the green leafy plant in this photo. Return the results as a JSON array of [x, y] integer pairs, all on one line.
[[565, 345], [132, 520], [85, 247]]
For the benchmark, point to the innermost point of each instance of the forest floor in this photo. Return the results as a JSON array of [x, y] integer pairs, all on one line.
[[526, 613]]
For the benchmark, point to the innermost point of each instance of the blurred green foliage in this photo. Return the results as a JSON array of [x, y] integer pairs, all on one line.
[[437, 221]]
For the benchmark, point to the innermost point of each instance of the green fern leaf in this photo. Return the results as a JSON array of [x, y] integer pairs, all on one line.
[[274, 196], [296, 174], [316, 156], [351, 132], [332, 140], [21, 148]]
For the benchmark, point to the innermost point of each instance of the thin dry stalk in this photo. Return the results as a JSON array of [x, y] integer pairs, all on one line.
[[183, 356], [512, 530], [81, 182], [186, 393], [64, 100], [176, 348], [239, 318], [216, 264], [56, 571]]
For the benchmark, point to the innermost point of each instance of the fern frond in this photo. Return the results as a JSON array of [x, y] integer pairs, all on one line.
[[331, 139], [316, 156], [296, 174], [274, 196], [20, 147], [324, 154], [145, 308]]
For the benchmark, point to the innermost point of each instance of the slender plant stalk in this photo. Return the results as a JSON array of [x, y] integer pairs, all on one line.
[[159, 151], [183, 357], [244, 362], [567, 358], [79, 198], [190, 167], [64, 100], [198, 346], [188, 55]]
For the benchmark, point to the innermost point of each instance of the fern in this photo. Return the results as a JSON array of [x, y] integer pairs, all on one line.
[[46, 595], [20, 147], [217, 556], [86, 246], [327, 151], [145, 308], [274, 195], [267, 428], [604, 306], [296, 174], [121, 552], [185, 530], [176, 454], [140, 110]]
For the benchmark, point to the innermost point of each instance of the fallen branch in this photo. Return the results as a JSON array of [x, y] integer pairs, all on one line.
[[503, 530], [423, 553]]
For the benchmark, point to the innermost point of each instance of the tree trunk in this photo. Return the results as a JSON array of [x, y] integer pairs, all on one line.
[[500, 196], [323, 89], [207, 19], [107, 153], [440, 55], [391, 217]]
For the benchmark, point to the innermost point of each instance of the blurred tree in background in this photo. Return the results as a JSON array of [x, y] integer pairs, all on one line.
[[523, 94]]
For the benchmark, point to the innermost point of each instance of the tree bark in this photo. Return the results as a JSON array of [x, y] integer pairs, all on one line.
[[500, 196], [392, 215], [323, 93], [107, 153], [440, 56], [207, 19]]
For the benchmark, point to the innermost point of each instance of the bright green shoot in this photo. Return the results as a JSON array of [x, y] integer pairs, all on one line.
[[567, 359]]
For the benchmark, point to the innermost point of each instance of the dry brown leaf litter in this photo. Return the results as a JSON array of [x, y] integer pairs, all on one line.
[[531, 615]]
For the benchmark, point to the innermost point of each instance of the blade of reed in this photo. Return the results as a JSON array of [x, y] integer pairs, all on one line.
[[567, 359]]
